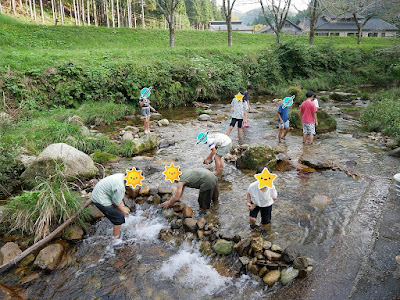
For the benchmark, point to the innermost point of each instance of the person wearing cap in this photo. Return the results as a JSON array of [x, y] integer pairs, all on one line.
[[219, 144], [201, 179], [246, 98], [107, 196], [145, 111]]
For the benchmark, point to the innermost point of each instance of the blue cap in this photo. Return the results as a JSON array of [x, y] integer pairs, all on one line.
[[202, 137]]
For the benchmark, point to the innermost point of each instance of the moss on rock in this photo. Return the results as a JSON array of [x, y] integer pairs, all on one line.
[[256, 157]]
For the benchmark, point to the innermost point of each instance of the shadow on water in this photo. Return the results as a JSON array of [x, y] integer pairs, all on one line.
[[143, 267]]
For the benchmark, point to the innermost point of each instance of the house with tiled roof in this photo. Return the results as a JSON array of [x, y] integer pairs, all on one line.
[[236, 26], [288, 28], [346, 26]]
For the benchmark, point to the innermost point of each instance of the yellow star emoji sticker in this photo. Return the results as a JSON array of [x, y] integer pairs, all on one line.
[[172, 173], [134, 177], [265, 179], [239, 97]]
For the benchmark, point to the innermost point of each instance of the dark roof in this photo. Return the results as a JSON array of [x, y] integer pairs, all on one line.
[[224, 22], [372, 24], [236, 26], [268, 28]]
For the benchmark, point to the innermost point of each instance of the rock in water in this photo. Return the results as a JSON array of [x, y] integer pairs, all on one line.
[[190, 224], [156, 199], [223, 247], [163, 122], [244, 260], [178, 206], [257, 244], [94, 213], [165, 190], [256, 157], [270, 255], [168, 213], [204, 117], [187, 212], [243, 246], [201, 223], [73, 233], [267, 245], [300, 263], [276, 248], [49, 257], [320, 202], [287, 275], [272, 277], [75, 162], [9, 251], [289, 254], [145, 191], [317, 163]]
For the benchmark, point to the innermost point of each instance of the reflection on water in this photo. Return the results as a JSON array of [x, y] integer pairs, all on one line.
[[142, 267]]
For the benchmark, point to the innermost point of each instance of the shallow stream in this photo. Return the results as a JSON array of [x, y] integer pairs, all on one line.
[[143, 267]]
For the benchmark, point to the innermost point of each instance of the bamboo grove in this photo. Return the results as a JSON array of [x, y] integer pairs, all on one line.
[[190, 14]]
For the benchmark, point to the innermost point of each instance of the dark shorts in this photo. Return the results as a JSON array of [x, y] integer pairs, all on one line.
[[239, 121], [112, 213], [265, 214], [206, 197]]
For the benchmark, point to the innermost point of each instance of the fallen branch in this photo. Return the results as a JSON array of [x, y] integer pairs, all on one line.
[[44, 241]]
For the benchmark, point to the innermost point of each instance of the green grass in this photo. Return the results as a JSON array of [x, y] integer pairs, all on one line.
[[24, 46]]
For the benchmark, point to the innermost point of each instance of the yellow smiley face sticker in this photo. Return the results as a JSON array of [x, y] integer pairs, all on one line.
[[265, 179], [172, 173], [134, 177]]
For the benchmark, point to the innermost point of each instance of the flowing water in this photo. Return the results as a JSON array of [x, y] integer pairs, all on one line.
[[144, 267]]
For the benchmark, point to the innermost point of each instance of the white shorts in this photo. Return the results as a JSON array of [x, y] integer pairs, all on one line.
[[309, 128], [284, 125]]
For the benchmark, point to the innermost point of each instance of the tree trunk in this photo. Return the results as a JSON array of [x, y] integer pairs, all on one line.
[[52, 10], [1, 8], [359, 36], [172, 31], [142, 4], [31, 9], [278, 37], [62, 12], [78, 12], [14, 7], [34, 10], [73, 3], [118, 16], [88, 12], [129, 14], [107, 14], [41, 10], [311, 37], [21, 5], [26, 7], [83, 12], [112, 13], [229, 27], [44, 241], [96, 22]]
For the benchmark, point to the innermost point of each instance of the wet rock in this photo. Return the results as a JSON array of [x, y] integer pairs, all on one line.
[[272, 277], [168, 213], [254, 269], [209, 226], [320, 202], [73, 233], [165, 143], [75, 119], [263, 271], [164, 190], [317, 163], [156, 199], [150, 200], [255, 157], [204, 117], [29, 278], [243, 246], [300, 263], [398, 259], [287, 275], [200, 234], [27, 260], [187, 212], [270, 255], [244, 260], [94, 213], [49, 257], [267, 245], [75, 162], [165, 234], [289, 254], [257, 244], [205, 248], [223, 247], [395, 152], [163, 122], [237, 238], [133, 129], [145, 191], [8, 252], [175, 224], [276, 248], [144, 143], [128, 136], [207, 232], [132, 193], [178, 206], [201, 223], [190, 225], [140, 200]]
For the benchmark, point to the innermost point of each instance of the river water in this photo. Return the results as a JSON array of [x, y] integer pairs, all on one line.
[[144, 267]]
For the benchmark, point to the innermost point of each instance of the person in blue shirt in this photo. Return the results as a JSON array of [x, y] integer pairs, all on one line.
[[283, 121]]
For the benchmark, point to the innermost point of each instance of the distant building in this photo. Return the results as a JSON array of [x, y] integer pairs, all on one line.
[[288, 28], [236, 26], [346, 26]]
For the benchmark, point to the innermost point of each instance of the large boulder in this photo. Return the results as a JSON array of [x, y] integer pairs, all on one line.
[[318, 163], [163, 122], [255, 157], [8, 252], [75, 163], [49, 257], [326, 122], [223, 247], [343, 96], [73, 233], [145, 143]]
